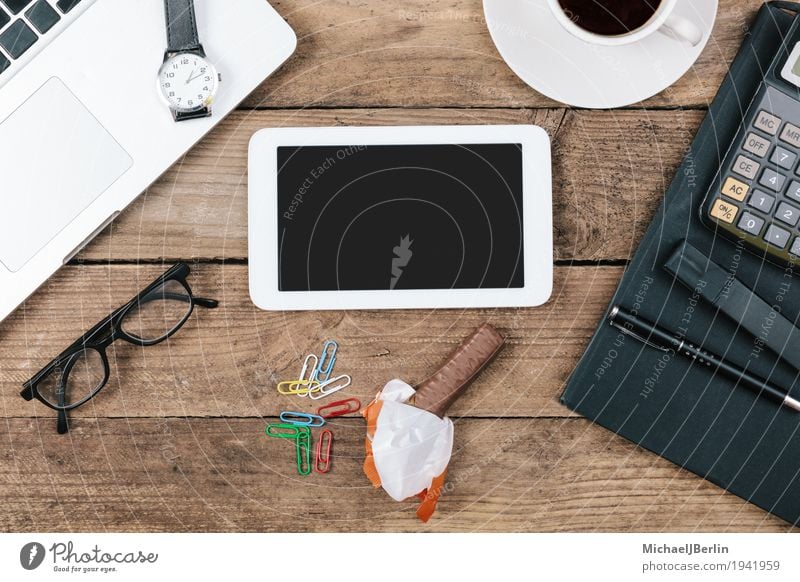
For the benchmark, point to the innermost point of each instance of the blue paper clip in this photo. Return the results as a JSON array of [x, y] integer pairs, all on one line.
[[302, 419], [326, 361]]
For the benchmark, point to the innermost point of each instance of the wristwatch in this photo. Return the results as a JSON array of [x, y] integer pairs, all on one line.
[[187, 81]]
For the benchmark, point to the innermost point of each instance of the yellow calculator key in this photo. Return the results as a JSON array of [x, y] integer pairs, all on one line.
[[735, 189], [724, 211]]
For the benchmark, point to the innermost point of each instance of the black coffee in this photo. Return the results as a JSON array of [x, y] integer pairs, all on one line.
[[610, 17]]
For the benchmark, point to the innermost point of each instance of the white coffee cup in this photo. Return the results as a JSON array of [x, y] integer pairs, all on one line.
[[663, 20]]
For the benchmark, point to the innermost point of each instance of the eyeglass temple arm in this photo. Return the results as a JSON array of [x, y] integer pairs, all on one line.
[[201, 301], [62, 426], [205, 302]]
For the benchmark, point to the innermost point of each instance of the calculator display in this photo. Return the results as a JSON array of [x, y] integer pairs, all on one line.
[[791, 68]]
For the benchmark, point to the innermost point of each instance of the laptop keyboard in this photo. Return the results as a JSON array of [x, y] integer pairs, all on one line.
[[24, 22]]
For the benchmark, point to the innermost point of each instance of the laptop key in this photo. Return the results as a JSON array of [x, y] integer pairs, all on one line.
[[17, 38], [42, 16], [4, 63], [16, 6], [4, 18], [67, 5]]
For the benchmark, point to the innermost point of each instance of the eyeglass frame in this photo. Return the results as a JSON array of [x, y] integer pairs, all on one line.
[[111, 330]]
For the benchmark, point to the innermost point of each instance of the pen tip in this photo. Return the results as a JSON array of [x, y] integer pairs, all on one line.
[[792, 403]]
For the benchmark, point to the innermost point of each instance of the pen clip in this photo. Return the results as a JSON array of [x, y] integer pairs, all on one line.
[[645, 341]]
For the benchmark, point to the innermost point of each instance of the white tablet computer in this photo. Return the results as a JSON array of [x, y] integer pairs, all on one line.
[[400, 217]]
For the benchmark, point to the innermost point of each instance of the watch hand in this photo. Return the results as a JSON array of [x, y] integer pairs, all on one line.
[[190, 77], [193, 78]]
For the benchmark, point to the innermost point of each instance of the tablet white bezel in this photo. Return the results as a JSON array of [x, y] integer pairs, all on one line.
[[537, 214]]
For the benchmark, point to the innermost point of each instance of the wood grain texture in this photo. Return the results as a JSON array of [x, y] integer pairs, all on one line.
[[175, 441], [225, 475], [423, 53], [227, 361], [610, 170]]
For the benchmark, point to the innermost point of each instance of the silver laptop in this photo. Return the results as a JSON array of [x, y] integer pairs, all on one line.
[[84, 124]]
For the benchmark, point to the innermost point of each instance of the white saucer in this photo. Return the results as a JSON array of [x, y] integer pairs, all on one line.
[[554, 62]]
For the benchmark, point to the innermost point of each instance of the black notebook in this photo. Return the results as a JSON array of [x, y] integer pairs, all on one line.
[[678, 408]]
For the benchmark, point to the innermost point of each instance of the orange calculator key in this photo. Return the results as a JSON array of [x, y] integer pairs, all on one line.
[[735, 189], [724, 211]]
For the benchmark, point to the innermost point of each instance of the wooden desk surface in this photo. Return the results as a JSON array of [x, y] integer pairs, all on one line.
[[176, 443]]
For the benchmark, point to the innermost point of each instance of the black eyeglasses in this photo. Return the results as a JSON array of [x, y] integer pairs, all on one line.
[[81, 371]]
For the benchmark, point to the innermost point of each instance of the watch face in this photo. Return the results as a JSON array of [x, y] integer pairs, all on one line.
[[188, 82]]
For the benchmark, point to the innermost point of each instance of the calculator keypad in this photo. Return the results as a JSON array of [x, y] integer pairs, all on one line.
[[757, 196]]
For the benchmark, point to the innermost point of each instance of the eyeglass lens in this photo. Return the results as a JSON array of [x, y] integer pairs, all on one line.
[[77, 378], [158, 313]]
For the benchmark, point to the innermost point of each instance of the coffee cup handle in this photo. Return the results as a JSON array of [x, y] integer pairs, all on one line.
[[682, 28]]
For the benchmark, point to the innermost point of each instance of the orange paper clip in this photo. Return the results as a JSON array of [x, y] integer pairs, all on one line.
[[339, 408], [323, 462]]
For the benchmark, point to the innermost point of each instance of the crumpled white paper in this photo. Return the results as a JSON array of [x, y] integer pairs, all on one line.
[[411, 446]]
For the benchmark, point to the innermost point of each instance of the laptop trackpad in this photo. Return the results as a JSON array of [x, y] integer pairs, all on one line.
[[55, 160]]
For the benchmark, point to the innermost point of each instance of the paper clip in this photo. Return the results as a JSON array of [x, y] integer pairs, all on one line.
[[326, 361], [323, 461], [308, 369], [331, 386], [339, 408], [301, 387], [302, 419], [283, 431], [303, 446]]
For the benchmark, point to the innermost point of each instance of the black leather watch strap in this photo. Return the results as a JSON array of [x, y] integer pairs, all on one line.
[[181, 26], [184, 115]]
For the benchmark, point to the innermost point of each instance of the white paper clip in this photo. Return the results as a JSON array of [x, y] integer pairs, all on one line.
[[329, 387], [308, 369]]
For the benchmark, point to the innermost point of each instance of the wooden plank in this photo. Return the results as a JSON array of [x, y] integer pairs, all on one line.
[[611, 169], [438, 53], [226, 362], [224, 475]]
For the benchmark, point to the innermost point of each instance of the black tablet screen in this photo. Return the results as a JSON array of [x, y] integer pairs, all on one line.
[[400, 217]]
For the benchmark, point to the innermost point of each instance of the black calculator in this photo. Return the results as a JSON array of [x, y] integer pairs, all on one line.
[[755, 197]]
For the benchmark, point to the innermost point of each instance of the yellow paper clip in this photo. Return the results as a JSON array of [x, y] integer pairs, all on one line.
[[302, 387]]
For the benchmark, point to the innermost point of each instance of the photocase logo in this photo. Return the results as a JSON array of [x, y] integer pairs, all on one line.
[[31, 555], [402, 255]]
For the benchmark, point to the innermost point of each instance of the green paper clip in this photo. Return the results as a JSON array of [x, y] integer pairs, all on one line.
[[303, 445], [284, 430]]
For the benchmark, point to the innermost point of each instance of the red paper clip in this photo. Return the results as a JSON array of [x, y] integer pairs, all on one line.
[[339, 408], [323, 462]]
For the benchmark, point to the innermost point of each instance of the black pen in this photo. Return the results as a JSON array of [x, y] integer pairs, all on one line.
[[653, 336]]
